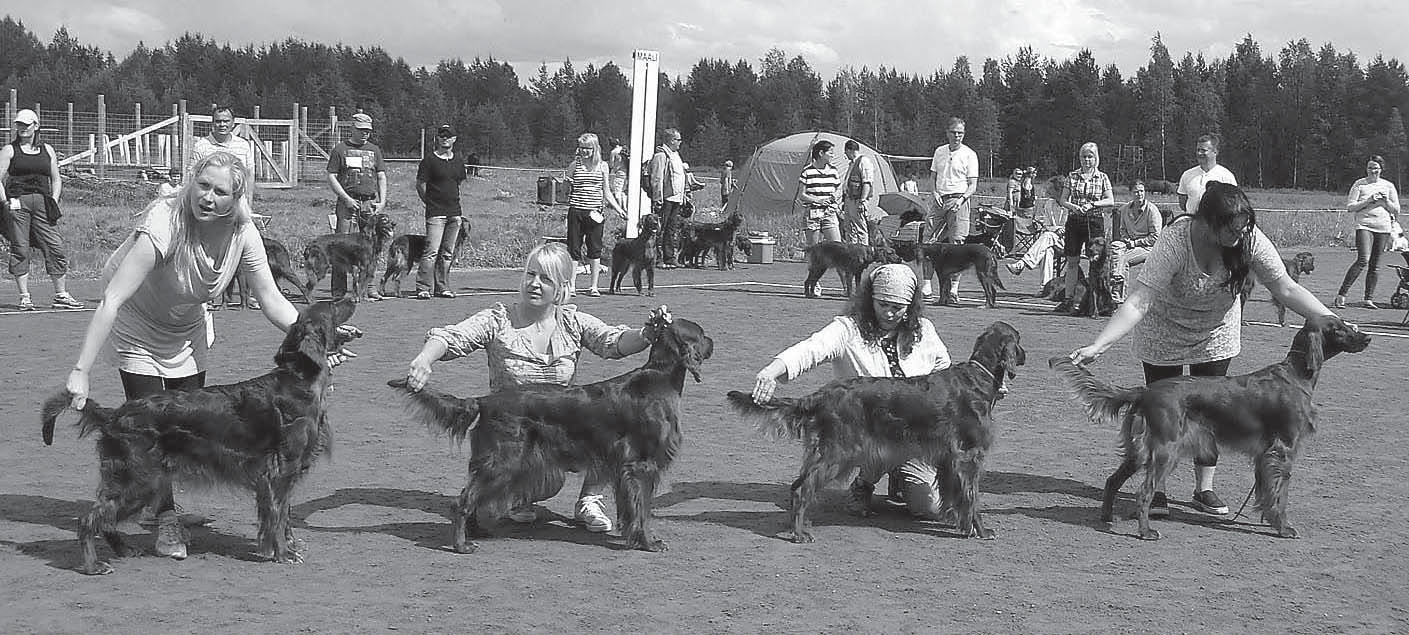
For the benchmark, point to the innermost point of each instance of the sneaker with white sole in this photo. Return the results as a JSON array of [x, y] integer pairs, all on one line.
[[523, 514], [171, 536], [592, 514], [1159, 506], [1209, 503], [27, 304], [66, 301]]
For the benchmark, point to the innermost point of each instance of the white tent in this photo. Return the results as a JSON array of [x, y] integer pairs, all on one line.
[[770, 178]]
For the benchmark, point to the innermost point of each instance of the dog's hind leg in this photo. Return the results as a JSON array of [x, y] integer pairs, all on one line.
[[636, 487], [814, 274], [1128, 468], [1160, 465], [1273, 468], [816, 472], [112, 505]]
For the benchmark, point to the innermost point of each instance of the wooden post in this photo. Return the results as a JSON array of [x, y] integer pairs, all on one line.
[[69, 139], [142, 148], [295, 164], [173, 142], [102, 136], [183, 137]]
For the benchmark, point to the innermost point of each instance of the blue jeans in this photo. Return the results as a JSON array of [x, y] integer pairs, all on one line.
[[442, 232], [1368, 247]]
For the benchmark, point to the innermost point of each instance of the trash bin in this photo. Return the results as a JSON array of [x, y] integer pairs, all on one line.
[[547, 190]]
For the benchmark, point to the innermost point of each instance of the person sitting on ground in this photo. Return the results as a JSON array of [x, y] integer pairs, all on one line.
[[538, 340], [883, 334]]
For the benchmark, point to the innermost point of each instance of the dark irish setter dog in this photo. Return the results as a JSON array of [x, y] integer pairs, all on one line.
[[280, 266], [637, 254], [355, 253], [626, 428], [717, 238], [262, 435], [944, 418], [405, 253], [848, 259], [949, 259], [1266, 414]]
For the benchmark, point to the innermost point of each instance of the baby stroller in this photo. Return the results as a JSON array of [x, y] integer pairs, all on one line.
[[990, 229], [1400, 298]]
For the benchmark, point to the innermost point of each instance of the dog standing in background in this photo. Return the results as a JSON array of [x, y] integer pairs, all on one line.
[[355, 253], [1266, 414], [637, 254], [716, 238], [406, 252], [848, 259], [280, 266], [262, 435], [1303, 263], [949, 259]]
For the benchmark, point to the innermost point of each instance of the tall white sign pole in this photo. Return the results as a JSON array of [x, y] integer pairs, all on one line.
[[645, 84]]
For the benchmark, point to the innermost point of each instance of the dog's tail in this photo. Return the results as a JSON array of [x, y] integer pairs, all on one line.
[[781, 418], [440, 410], [1104, 402], [91, 417]]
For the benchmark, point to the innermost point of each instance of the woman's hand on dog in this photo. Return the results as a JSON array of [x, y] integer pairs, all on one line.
[[78, 387], [346, 333], [766, 382], [1085, 355], [656, 323], [418, 374]]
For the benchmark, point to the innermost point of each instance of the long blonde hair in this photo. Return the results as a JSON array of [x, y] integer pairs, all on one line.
[[184, 239], [591, 138]]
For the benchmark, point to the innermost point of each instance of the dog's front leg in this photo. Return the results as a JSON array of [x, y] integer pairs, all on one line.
[[635, 488]]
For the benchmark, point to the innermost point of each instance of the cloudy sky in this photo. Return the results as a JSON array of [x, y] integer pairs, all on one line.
[[913, 36]]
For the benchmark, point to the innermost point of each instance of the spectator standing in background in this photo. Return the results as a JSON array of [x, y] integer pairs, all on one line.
[[438, 179], [727, 183], [357, 174], [30, 186], [1196, 179], [955, 168], [668, 194], [858, 198], [222, 138], [1375, 204]]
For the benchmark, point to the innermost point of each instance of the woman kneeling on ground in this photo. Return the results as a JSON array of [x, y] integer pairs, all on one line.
[[883, 334], [537, 340]]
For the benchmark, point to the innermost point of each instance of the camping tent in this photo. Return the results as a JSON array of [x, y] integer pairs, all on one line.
[[770, 179]]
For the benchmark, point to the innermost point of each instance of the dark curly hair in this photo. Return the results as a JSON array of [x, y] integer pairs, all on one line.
[[1225, 206], [860, 309]]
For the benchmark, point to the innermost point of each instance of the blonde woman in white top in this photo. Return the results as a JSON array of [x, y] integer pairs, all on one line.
[[1375, 204]]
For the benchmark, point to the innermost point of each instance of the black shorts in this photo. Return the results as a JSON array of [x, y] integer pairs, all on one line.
[[1081, 228], [583, 230]]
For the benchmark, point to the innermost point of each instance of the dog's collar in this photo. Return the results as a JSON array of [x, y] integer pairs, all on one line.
[[1002, 383], [982, 368]]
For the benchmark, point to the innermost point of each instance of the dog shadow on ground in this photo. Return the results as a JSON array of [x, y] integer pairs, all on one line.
[[66, 554], [434, 535]]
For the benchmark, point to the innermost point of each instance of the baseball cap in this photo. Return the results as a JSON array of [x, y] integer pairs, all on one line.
[[728, 164], [446, 130], [362, 120], [27, 117]]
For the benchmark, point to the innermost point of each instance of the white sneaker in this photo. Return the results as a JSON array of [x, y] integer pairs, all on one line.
[[593, 515], [523, 514], [171, 537]]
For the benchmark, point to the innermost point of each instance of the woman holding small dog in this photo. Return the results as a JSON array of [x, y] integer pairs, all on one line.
[[883, 334], [821, 195], [1184, 306], [591, 181], [538, 340], [184, 252], [1375, 203]]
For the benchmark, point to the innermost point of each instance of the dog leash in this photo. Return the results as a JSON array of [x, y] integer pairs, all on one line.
[[1239, 514]]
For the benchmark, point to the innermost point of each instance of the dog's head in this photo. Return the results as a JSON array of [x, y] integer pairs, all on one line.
[[1324, 337], [999, 350], [1304, 262], [648, 224], [313, 336], [735, 219], [379, 227], [885, 254], [682, 343]]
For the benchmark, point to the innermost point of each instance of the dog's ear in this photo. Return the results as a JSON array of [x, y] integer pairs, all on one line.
[[305, 346], [1311, 340], [687, 342]]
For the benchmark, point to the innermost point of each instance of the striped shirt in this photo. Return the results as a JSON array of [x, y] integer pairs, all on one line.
[[587, 185], [823, 181]]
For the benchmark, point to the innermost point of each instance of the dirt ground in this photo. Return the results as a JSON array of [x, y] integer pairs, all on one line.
[[374, 514]]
